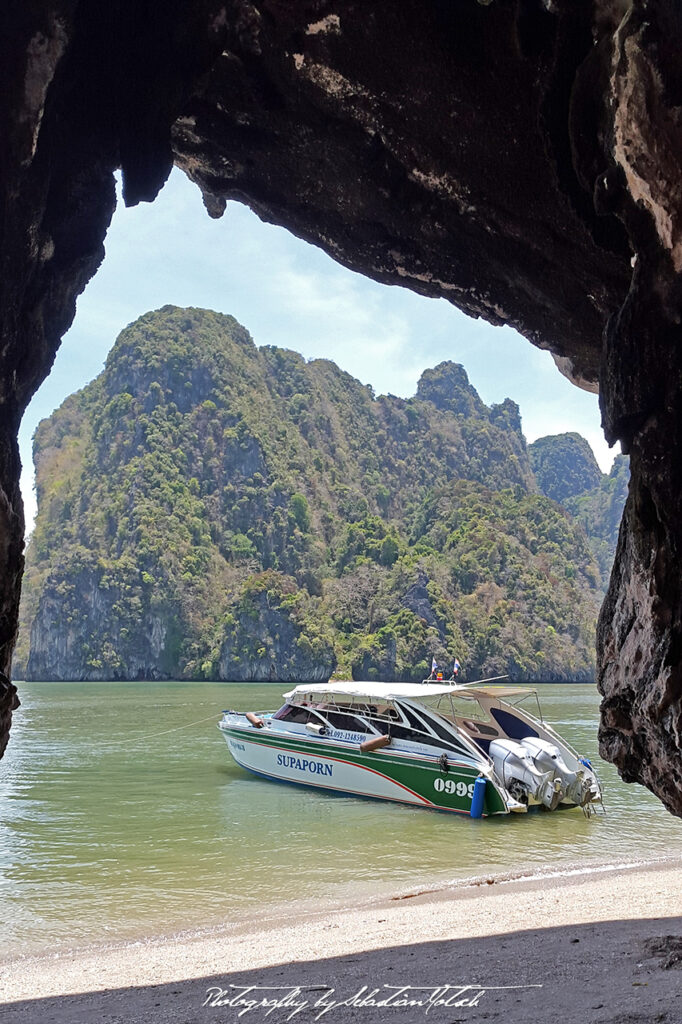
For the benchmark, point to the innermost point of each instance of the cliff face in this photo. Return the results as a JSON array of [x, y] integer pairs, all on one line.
[[520, 160], [264, 640], [207, 509], [564, 466], [566, 470], [79, 614]]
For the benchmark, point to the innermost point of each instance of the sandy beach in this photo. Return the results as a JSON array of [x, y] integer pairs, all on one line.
[[602, 946]]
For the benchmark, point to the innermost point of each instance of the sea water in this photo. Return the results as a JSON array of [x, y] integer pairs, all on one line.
[[123, 815]]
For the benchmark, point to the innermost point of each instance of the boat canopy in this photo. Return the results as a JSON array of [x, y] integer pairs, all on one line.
[[497, 691], [409, 691], [377, 691]]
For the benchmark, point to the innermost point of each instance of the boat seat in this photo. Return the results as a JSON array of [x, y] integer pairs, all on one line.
[[515, 728]]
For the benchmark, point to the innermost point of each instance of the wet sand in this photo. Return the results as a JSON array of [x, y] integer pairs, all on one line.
[[586, 938]]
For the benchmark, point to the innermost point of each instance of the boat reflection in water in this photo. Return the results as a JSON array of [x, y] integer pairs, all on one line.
[[472, 749]]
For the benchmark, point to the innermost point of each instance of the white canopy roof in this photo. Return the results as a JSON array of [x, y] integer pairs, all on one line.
[[377, 691], [396, 691]]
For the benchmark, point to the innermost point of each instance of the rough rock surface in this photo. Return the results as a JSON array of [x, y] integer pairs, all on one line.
[[282, 656], [62, 644], [520, 158], [564, 466]]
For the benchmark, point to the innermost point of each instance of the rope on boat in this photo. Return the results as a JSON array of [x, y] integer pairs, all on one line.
[[187, 725]]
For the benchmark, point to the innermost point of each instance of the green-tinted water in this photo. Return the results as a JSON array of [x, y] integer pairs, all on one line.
[[116, 823]]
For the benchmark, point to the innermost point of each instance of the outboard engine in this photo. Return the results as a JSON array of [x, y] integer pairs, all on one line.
[[578, 787], [520, 774]]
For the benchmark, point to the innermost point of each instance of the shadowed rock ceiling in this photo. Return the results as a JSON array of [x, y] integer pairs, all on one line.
[[520, 158]]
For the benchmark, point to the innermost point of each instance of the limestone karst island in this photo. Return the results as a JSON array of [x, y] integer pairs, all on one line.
[[210, 509]]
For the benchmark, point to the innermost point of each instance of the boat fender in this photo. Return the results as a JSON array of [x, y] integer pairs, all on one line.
[[254, 719], [376, 743], [443, 762], [478, 797]]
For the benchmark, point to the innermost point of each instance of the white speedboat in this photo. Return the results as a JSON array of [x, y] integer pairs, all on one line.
[[472, 749]]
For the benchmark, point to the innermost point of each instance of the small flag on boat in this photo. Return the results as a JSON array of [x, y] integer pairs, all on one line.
[[434, 665], [456, 668]]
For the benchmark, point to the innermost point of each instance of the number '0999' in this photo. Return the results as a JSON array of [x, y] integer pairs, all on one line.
[[450, 786]]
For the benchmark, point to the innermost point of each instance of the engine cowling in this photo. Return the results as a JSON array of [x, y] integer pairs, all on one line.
[[578, 787], [514, 764]]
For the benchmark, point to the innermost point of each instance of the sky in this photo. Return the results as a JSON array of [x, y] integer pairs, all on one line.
[[291, 294]]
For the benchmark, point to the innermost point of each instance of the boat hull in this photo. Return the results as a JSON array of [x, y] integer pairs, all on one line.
[[385, 775]]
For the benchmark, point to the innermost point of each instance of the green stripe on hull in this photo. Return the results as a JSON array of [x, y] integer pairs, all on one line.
[[451, 790]]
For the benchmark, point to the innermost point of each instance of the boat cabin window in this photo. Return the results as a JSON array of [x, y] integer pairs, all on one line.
[[412, 727], [440, 730], [413, 718], [282, 713], [360, 716], [297, 715], [401, 732], [342, 720]]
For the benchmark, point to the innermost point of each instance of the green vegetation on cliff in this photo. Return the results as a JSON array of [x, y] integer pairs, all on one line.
[[566, 470], [209, 509]]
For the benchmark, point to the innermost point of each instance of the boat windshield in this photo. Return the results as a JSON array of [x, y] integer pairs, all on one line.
[[298, 714], [461, 705], [355, 714]]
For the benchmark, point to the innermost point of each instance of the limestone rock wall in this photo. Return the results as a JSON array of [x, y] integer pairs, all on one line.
[[74, 612], [281, 652]]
